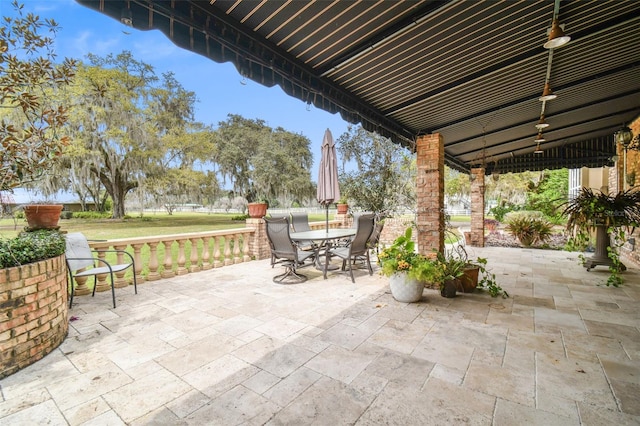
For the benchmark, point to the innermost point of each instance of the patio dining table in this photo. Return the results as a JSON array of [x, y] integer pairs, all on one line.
[[327, 238]]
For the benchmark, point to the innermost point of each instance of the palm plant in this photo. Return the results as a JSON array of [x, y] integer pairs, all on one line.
[[608, 215]]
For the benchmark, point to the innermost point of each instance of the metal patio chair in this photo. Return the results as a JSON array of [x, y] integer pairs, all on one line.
[[79, 256], [286, 252], [357, 248], [300, 222]]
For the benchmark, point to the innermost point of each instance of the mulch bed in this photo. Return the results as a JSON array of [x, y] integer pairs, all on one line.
[[503, 239]]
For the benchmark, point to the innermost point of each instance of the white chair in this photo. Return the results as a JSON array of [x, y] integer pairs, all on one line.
[[79, 255]]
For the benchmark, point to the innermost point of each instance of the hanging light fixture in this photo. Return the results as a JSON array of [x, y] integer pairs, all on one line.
[[126, 17], [539, 138], [557, 37], [538, 150], [623, 136], [542, 124], [547, 93]]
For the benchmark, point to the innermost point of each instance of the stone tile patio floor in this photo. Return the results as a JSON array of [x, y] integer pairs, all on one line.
[[228, 346]]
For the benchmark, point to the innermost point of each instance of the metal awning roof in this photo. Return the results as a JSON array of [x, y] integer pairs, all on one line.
[[469, 70]]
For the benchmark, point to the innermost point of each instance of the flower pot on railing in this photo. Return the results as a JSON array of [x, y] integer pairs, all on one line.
[[257, 210], [342, 208], [42, 216]]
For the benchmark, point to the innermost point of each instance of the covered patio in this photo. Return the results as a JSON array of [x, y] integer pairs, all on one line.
[[228, 346], [458, 82]]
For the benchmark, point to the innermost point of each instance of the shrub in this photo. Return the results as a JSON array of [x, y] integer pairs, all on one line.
[[29, 247], [66, 214], [532, 214], [502, 209], [491, 224], [92, 215], [529, 230]]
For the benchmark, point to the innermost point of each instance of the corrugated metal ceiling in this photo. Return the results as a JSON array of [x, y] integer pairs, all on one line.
[[470, 70]]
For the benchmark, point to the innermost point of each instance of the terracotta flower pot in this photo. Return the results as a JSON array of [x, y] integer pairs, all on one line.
[[43, 216], [469, 279], [257, 210], [342, 208]]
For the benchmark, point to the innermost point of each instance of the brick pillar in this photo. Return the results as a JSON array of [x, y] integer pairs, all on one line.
[[430, 193], [258, 242], [619, 177], [477, 207]]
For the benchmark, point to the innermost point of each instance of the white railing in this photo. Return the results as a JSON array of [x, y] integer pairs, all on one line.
[[166, 256]]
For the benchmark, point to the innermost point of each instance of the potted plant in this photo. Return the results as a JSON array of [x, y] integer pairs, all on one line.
[[408, 271], [476, 275], [609, 215], [452, 268], [342, 206], [42, 215], [257, 209]]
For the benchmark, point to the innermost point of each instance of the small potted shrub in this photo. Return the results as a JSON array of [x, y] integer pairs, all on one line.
[[452, 268], [342, 206], [258, 209]]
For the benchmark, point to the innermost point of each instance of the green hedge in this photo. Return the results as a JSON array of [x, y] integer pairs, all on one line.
[[29, 247]]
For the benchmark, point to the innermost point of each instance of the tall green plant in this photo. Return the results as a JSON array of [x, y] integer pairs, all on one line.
[[32, 114], [376, 175], [618, 213]]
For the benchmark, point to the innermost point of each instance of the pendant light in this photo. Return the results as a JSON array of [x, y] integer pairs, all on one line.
[[547, 93], [538, 150], [623, 136], [557, 37], [542, 124]]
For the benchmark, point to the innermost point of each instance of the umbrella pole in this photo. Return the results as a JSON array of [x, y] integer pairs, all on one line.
[[327, 218]]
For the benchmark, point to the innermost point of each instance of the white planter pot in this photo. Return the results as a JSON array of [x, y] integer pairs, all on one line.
[[405, 289]]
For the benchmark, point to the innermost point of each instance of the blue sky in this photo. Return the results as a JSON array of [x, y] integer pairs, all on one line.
[[217, 86]]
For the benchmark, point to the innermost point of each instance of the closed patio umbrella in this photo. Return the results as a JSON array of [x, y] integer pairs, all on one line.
[[328, 189]]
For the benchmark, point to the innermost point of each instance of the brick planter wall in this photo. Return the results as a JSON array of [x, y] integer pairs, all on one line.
[[33, 312]]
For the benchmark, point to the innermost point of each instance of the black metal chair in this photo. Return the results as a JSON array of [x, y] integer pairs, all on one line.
[[286, 252], [300, 222], [358, 247], [79, 255]]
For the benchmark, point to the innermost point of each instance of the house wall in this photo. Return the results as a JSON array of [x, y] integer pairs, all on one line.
[[631, 249]]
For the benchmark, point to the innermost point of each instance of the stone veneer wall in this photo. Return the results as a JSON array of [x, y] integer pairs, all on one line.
[[33, 312]]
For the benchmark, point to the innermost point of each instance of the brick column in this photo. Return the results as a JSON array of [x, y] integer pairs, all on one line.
[[258, 242], [430, 193], [477, 207], [619, 176]]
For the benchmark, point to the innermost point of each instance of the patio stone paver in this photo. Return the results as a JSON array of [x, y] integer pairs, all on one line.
[[228, 346]]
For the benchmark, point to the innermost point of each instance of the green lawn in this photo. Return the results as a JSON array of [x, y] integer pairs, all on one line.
[[149, 225]]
